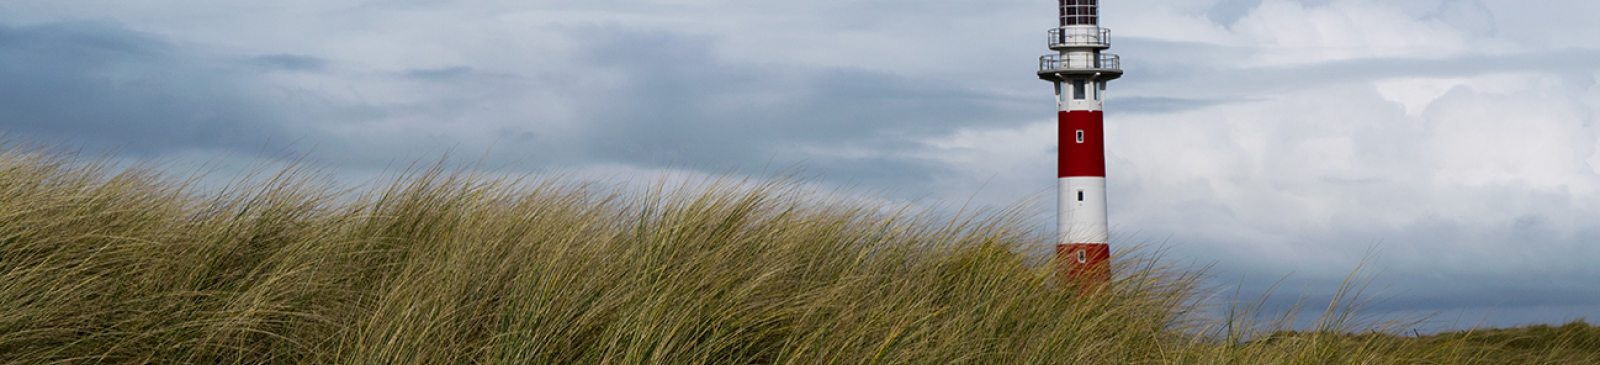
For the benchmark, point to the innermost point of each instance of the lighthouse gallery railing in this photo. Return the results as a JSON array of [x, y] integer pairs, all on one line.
[[1078, 36], [1056, 62]]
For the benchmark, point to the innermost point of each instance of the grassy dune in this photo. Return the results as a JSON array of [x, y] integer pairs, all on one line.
[[103, 265]]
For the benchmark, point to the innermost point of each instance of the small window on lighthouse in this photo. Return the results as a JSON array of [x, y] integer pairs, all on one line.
[[1078, 89], [1083, 256], [1080, 195], [1080, 136]]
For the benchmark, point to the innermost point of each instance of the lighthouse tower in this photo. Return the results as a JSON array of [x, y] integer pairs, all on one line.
[[1080, 71]]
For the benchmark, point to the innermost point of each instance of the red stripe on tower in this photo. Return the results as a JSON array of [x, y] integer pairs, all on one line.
[[1083, 263], [1083, 146]]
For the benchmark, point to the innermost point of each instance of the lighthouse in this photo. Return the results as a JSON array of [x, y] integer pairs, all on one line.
[[1080, 69]]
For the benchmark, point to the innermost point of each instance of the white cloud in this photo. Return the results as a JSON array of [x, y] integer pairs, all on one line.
[[998, 166], [1292, 172], [1416, 93], [1162, 21], [1291, 33], [1513, 132]]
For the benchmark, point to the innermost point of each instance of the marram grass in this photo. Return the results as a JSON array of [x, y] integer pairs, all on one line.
[[110, 265]]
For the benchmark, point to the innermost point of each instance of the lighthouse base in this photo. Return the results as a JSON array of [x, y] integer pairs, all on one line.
[[1084, 265]]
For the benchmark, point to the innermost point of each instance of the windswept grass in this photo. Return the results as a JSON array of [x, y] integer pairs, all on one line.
[[103, 265]]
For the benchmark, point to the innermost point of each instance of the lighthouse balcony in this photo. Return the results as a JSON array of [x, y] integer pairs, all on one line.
[[1080, 36], [1099, 66]]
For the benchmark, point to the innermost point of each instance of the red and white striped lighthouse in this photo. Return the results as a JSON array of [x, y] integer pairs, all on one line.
[[1080, 71]]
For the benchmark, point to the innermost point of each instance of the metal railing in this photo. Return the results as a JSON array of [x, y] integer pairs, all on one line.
[[1080, 36], [1051, 62]]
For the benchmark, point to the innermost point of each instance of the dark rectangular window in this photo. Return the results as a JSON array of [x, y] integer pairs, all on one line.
[[1078, 89], [1080, 136], [1080, 195], [1079, 12]]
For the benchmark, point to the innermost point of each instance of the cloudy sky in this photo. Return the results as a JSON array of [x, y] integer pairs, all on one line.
[[1454, 139]]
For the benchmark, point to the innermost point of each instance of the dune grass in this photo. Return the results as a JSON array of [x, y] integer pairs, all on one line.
[[111, 265]]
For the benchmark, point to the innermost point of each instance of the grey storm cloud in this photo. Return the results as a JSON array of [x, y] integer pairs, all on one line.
[[1228, 11], [289, 62], [1558, 61], [1211, 68], [648, 97], [1164, 105], [439, 74], [104, 85], [1398, 280], [678, 103]]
